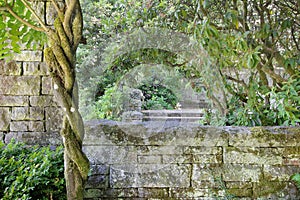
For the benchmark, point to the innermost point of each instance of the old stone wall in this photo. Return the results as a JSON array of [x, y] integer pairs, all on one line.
[[28, 111], [187, 161]]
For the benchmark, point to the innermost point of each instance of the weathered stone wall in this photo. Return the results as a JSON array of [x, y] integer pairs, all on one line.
[[151, 160], [28, 111], [187, 161]]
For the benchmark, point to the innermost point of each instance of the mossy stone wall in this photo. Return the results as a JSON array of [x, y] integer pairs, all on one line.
[[187, 161]]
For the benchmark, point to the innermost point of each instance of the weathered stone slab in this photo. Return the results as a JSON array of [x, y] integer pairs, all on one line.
[[10, 68], [33, 138], [28, 55], [242, 173], [203, 150], [5, 116], [190, 193], [19, 126], [112, 193], [155, 150], [47, 85], [146, 134], [34, 68], [19, 85], [205, 173], [111, 154], [207, 159], [99, 169], [172, 159], [279, 173], [149, 175], [97, 181], [36, 113], [159, 193], [273, 190], [20, 113], [252, 155], [42, 101], [14, 100], [54, 117], [36, 126], [258, 137], [150, 159]]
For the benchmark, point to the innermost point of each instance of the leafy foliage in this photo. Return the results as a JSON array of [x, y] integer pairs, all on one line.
[[157, 96], [255, 44], [31, 172], [14, 35], [296, 179]]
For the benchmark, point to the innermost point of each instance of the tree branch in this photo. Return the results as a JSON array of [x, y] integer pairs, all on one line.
[[15, 15], [58, 10], [43, 25], [71, 5]]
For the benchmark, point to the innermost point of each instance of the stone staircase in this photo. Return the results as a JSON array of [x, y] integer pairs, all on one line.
[[191, 110], [182, 115]]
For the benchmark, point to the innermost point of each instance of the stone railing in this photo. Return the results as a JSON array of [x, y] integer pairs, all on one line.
[[186, 161]]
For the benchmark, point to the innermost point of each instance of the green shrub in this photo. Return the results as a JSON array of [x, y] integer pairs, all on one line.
[[31, 172], [157, 96], [296, 179]]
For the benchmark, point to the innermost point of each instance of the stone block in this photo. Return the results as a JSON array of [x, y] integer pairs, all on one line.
[[249, 155], [111, 154], [35, 138], [161, 193], [19, 85], [97, 181], [292, 136], [29, 55], [14, 100], [207, 159], [171, 159], [258, 137], [10, 68], [34, 68], [36, 126], [5, 116], [47, 85], [20, 113], [205, 173], [279, 173], [42, 101], [269, 190], [99, 169], [190, 193], [149, 175], [54, 117], [239, 189], [202, 150], [242, 173], [19, 126], [36, 113], [155, 150], [151, 159], [112, 193]]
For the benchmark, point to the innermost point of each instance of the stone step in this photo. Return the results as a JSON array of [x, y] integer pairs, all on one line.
[[188, 115]]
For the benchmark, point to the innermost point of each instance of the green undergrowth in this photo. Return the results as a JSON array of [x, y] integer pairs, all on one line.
[[31, 172]]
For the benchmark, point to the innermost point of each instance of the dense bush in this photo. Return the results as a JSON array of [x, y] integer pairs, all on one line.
[[31, 172], [157, 96]]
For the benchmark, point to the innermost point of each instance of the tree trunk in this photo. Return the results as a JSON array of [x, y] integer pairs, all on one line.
[[61, 59]]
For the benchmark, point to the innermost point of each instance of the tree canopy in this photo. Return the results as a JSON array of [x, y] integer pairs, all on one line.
[[254, 44]]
